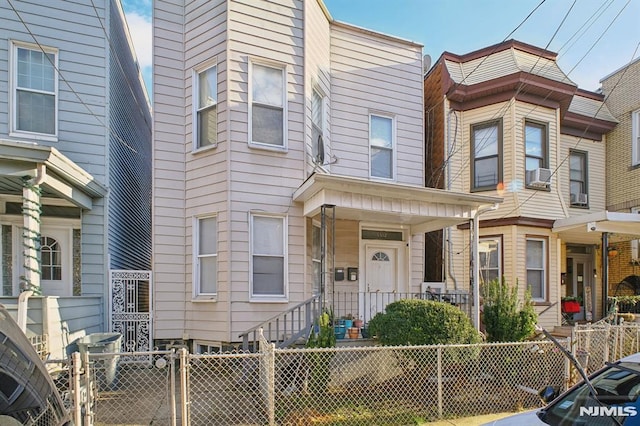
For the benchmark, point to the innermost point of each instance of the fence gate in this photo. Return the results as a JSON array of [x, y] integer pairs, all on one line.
[[130, 305]]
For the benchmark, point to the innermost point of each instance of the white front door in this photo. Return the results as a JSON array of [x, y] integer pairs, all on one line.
[[381, 276], [56, 261]]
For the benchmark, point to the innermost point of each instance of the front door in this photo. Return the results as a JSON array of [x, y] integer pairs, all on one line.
[[579, 284], [381, 277]]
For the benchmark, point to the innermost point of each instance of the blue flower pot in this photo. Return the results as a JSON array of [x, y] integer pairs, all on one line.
[[340, 331]]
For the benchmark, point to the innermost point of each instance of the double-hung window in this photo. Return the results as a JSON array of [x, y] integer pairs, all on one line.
[[578, 178], [489, 259], [635, 244], [537, 268], [316, 257], [536, 148], [205, 256], [486, 149], [382, 146], [635, 138], [205, 92], [35, 90], [268, 257], [317, 126], [267, 105]]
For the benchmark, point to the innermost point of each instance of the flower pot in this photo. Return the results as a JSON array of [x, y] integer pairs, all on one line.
[[570, 306], [353, 332], [346, 322], [365, 332], [340, 331], [358, 323]]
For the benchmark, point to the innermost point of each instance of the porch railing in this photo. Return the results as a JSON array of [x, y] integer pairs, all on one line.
[[286, 327], [365, 305]]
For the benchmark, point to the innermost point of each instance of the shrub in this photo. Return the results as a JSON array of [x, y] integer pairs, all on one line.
[[506, 318], [422, 322]]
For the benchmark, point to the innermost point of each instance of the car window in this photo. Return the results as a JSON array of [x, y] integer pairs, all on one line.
[[618, 388]]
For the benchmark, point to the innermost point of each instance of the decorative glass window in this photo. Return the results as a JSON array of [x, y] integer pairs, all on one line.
[[267, 104], [382, 145], [380, 257], [35, 89], [317, 127], [316, 257], [486, 149], [535, 139], [268, 256], [51, 259], [489, 259], [537, 268], [635, 137], [206, 100], [578, 178], [206, 256]]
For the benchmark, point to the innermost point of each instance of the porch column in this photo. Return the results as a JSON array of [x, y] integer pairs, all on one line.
[[31, 210], [605, 273]]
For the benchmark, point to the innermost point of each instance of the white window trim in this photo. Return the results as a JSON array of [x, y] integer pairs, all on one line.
[[394, 148], [544, 268], [635, 244], [635, 137], [315, 224], [499, 241], [197, 295], [13, 83], [285, 253], [195, 100], [323, 124], [252, 143]]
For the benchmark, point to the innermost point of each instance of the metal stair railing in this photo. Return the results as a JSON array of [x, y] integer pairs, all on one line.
[[286, 327]]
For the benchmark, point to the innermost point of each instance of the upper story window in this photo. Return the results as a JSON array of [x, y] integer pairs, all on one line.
[[489, 259], [268, 257], [536, 154], [267, 105], [35, 90], [486, 149], [205, 93], [537, 268], [382, 146], [635, 137], [578, 179], [317, 127], [205, 256]]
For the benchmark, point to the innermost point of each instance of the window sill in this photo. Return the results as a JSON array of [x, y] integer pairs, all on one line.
[[539, 188], [541, 303], [267, 147], [204, 149], [274, 299], [34, 137], [579, 206], [634, 166], [205, 299]]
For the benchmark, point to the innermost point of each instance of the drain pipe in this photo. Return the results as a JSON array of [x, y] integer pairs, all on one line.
[[475, 267], [23, 298]]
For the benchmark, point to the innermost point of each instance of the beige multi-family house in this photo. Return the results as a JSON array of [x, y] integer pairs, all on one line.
[[288, 170], [507, 121], [622, 91]]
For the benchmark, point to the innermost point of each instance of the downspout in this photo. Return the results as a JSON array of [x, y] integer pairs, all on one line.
[[475, 270], [23, 299], [448, 232], [605, 273]]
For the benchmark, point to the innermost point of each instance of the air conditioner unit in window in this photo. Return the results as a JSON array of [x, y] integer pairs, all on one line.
[[539, 177], [579, 199]]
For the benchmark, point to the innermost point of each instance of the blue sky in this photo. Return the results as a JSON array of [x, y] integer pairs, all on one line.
[[592, 37]]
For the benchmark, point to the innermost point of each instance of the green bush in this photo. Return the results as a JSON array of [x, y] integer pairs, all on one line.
[[422, 322], [506, 318]]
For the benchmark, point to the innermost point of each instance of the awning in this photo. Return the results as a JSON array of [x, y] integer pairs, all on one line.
[[61, 177], [422, 209], [588, 228]]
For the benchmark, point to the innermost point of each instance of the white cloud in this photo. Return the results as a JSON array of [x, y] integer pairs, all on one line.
[[140, 29]]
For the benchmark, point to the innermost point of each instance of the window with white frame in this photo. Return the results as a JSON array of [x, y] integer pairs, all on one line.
[[35, 89], [537, 267], [205, 92], [486, 149], [635, 137], [382, 145], [268, 256], [635, 244], [578, 178], [50, 259], [536, 147], [268, 105], [317, 127], [316, 257], [489, 259], [206, 256]]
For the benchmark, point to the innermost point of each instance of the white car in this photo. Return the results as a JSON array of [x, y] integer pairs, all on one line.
[[610, 397]]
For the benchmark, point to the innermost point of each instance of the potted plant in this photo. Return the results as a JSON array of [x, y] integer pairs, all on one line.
[[353, 332], [346, 320], [358, 323], [570, 304]]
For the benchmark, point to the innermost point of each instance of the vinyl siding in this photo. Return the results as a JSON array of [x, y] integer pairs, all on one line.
[[596, 172], [375, 75]]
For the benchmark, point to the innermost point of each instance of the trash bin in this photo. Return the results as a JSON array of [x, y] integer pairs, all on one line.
[[101, 343]]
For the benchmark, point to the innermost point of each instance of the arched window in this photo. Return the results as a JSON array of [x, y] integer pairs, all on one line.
[[380, 257], [51, 257]]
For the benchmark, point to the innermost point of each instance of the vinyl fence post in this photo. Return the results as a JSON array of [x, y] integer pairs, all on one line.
[[172, 386], [184, 395], [439, 379], [74, 368], [567, 365], [91, 395]]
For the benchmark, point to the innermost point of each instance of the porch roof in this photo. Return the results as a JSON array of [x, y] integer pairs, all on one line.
[[588, 228], [60, 176], [422, 209]]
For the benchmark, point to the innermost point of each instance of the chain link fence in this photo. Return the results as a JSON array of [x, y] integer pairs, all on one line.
[[328, 386]]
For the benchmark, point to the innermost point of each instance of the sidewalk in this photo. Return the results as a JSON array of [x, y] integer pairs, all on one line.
[[469, 421]]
